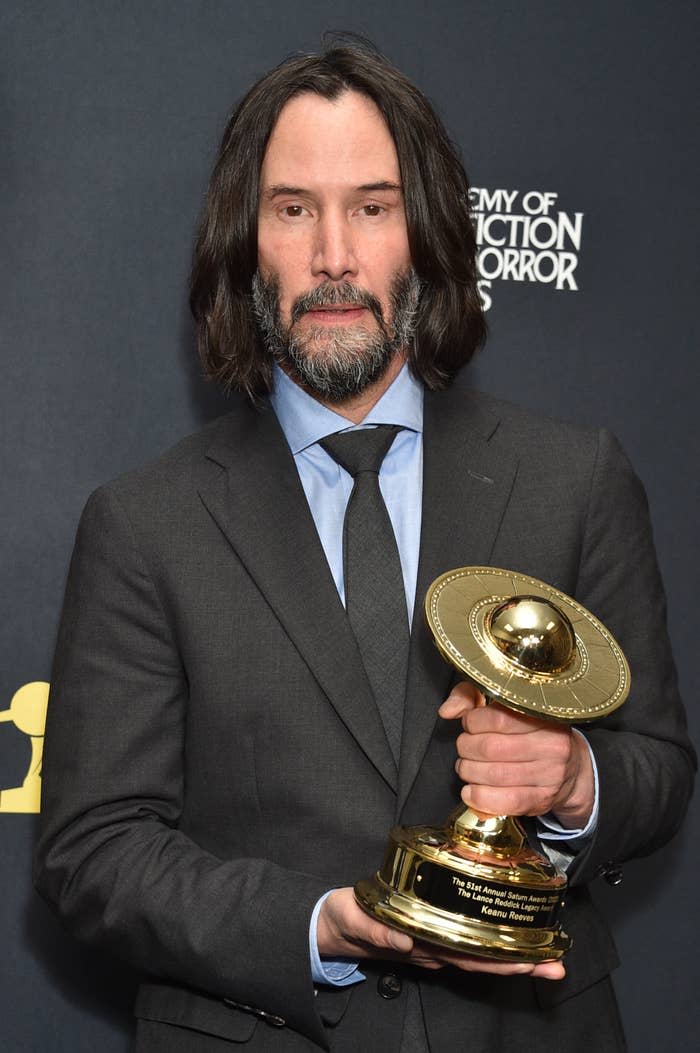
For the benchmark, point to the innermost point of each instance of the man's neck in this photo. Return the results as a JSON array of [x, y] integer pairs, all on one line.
[[356, 408]]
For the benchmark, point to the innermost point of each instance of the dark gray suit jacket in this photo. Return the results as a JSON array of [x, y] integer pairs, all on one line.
[[214, 758]]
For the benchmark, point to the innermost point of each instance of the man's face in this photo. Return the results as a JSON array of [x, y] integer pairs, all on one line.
[[335, 295]]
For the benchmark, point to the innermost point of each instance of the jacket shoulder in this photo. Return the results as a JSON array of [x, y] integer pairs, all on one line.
[[179, 469], [520, 420], [525, 432]]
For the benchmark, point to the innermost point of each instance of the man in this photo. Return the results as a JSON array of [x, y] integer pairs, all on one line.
[[221, 765]]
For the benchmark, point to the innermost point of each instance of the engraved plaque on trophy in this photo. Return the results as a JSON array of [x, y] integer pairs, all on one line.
[[474, 884]]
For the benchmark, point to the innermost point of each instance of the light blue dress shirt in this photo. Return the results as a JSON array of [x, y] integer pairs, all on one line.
[[327, 486]]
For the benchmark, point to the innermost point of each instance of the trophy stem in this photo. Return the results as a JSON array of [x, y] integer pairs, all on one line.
[[499, 836]]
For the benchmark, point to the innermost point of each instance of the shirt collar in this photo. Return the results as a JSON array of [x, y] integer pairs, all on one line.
[[304, 420]]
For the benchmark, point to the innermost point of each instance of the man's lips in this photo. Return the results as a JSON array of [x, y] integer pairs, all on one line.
[[337, 313]]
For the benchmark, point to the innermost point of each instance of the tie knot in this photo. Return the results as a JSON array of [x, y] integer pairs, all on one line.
[[363, 450]]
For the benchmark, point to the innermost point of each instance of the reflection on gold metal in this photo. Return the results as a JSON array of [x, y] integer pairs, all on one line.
[[527, 644], [474, 884], [27, 711], [533, 634]]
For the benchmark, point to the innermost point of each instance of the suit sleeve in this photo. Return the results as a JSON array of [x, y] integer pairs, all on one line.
[[644, 758], [110, 855]]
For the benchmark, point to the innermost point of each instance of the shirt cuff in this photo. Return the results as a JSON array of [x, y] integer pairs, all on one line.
[[336, 972], [551, 830]]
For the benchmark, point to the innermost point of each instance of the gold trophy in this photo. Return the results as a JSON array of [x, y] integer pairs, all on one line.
[[476, 885]]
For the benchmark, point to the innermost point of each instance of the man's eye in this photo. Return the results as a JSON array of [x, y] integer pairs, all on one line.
[[293, 211], [372, 210]]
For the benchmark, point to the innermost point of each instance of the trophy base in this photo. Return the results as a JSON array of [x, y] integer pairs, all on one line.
[[471, 886]]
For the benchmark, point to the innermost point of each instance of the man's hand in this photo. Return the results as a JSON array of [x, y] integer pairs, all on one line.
[[514, 764], [345, 931]]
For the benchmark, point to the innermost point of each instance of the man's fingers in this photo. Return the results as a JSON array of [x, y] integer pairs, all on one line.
[[344, 928], [511, 800], [499, 719], [472, 963], [525, 774], [551, 744], [541, 970], [463, 697], [549, 971], [537, 773], [392, 939]]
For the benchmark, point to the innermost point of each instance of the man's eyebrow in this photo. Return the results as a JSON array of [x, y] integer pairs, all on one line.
[[384, 184], [280, 189]]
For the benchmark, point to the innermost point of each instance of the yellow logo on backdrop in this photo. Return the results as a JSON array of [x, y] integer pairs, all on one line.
[[28, 713]]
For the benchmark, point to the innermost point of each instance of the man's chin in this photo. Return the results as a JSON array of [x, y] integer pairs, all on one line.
[[311, 335], [333, 376]]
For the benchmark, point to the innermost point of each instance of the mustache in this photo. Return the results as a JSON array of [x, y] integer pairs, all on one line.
[[331, 294]]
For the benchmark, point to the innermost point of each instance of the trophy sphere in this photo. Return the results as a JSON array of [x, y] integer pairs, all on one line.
[[533, 633]]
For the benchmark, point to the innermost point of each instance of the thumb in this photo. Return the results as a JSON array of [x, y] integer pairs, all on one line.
[[400, 941], [380, 934], [463, 697]]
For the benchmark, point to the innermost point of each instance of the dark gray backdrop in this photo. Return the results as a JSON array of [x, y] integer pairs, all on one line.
[[109, 118]]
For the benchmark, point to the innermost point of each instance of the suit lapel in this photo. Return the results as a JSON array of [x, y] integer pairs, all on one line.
[[467, 482], [260, 506]]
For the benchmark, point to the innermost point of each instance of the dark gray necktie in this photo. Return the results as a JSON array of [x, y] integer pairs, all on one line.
[[375, 597]]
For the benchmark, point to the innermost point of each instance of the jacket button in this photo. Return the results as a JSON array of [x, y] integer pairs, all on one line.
[[389, 986]]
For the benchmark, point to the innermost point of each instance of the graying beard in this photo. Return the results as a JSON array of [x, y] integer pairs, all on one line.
[[348, 365], [351, 359]]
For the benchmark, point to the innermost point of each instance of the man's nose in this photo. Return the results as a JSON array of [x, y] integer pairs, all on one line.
[[334, 249]]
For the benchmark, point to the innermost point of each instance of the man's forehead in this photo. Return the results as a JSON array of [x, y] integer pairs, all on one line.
[[342, 141]]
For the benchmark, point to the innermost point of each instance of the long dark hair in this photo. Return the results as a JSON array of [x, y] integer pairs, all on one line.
[[450, 324]]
